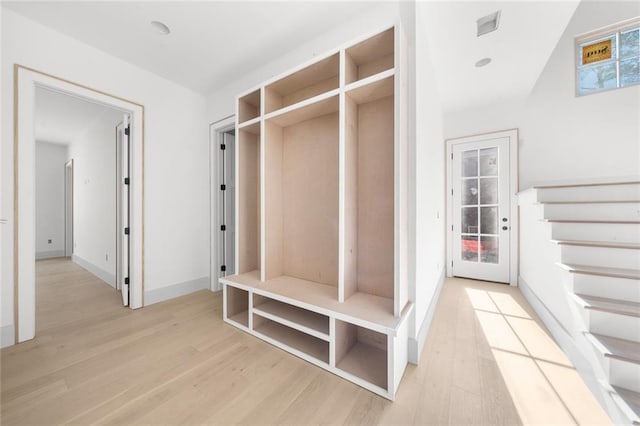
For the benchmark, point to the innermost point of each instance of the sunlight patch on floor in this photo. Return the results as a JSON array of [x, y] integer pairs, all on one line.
[[544, 385]]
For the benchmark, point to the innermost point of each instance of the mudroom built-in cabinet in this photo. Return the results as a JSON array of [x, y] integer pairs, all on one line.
[[321, 217]]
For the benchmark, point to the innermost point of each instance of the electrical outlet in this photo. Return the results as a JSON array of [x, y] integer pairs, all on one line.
[[49, 241]]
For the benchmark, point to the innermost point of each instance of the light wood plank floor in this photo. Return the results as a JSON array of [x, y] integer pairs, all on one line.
[[487, 360]]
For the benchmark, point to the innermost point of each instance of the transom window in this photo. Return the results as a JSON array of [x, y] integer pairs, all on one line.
[[609, 58]]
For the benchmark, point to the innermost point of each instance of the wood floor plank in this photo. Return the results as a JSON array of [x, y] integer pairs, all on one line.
[[96, 362]]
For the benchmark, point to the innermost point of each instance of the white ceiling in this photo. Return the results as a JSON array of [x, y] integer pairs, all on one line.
[[519, 49], [213, 42], [61, 118], [210, 44]]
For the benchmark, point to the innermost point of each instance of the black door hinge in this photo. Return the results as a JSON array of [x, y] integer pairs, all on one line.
[[223, 146], [126, 280], [127, 130], [223, 268], [126, 181], [126, 231], [223, 227], [223, 187]]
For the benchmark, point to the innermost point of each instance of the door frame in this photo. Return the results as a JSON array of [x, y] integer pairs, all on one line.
[[512, 134], [68, 208], [25, 80], [216, 131]]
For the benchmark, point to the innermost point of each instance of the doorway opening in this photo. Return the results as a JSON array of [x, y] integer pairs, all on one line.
[[27, 81], [222, 200], [482, 210]]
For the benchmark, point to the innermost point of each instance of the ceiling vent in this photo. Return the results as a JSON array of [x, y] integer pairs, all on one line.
[[488, 23]]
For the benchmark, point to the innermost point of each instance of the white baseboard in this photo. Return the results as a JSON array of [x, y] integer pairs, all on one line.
[[7, 336], [176, 290], [49, 254], [105, 276], [417, 344]]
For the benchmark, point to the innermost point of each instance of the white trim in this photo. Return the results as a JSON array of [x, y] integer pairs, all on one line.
[[49, 254], [416, 345], [27, 80], [215, 134], [105, 276], [176, 290], [514, 235], [7, 336]]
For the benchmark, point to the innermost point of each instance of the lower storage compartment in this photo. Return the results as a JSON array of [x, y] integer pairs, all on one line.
[[237, 301], [294, 339], [362, 353]]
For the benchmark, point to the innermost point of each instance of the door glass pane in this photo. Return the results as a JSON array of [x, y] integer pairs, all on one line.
[[469, 220], [488, 249], [470, 163], [469, 245], [489, 191], [469, 191], [488, 220], [489, 162]]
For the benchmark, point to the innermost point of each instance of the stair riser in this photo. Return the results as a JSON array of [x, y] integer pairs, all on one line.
[[623, 211], [591, 193], [614, 325], [624, 233], [624, 374], [601, 256], [609, 287]]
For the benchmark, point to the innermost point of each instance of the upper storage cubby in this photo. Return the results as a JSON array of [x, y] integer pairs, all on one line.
[[370, 57], [318, 78], [249, 106]]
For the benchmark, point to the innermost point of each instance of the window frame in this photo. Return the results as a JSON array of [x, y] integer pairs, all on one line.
[[602, 34]]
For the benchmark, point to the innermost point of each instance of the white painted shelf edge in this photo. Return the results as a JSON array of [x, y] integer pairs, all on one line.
[[291, 324]]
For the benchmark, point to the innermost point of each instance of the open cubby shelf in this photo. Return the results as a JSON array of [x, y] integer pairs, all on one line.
[[320, 213], [310, 345], [249, 106]]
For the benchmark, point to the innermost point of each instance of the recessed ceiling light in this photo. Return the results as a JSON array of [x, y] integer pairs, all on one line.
[[482, 62], [160, 27], [488, 23]]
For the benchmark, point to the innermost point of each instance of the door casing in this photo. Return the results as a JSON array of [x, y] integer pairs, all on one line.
[[512, 134]]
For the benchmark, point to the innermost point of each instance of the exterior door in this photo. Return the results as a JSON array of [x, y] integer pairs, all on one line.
[[227, 205], [481, 209]]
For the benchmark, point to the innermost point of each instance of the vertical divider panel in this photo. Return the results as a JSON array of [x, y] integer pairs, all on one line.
[[332, 341], [401, 281], [236, 207], [250, 311], [262, 225], [341, 182], [273, 211], [350, 184]]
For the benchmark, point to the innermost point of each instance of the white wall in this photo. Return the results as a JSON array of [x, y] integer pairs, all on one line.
[[94, 199], [176, 150], [50, 159], [564, 137], [429, 188]]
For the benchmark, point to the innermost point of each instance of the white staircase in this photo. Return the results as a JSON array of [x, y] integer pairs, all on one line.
[[590, 237]]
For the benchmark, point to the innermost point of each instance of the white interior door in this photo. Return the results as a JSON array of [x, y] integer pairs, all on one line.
[[123, 270], [481, 209]]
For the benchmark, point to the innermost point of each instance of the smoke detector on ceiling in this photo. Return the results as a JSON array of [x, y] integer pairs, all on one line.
[[488, 23]]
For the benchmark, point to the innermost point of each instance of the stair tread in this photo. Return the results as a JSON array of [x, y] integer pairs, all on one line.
[[630, 397], [609, 244], [619, 348], [591, 221], [601, 270], [622, 307]]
